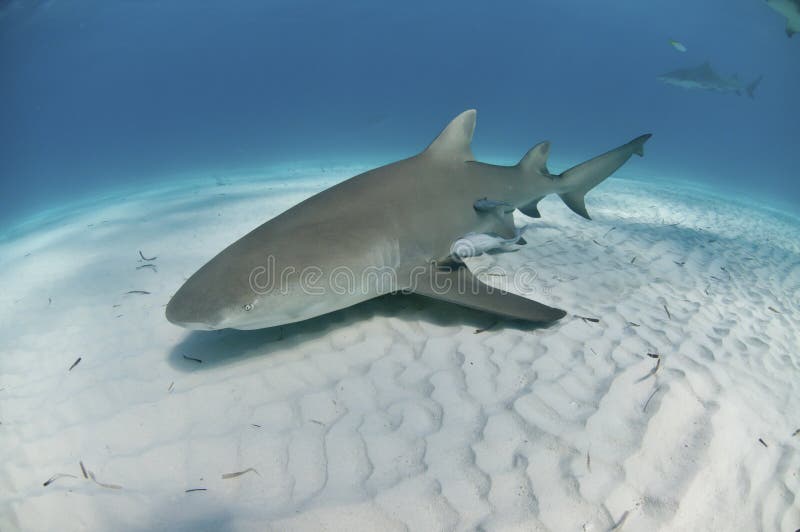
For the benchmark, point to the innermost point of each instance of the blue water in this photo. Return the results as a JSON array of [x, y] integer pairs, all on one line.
[[101, 94]]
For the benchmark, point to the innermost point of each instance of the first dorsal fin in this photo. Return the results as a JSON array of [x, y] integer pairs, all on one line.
[[454, 141]]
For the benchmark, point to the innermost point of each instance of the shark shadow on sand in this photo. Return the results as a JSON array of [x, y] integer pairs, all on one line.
[[221, 347]]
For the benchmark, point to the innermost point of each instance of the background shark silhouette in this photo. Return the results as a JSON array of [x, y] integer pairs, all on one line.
[[704, 77]]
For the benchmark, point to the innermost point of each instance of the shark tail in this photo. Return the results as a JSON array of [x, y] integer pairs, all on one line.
[[577, 181], [751, 89]]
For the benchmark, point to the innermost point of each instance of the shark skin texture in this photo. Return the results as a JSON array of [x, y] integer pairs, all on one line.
[[386, 230]]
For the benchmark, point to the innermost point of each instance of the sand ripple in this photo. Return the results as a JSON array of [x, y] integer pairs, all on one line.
[[395, 414]]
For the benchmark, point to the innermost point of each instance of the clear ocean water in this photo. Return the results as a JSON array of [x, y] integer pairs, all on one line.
[[99, 95]]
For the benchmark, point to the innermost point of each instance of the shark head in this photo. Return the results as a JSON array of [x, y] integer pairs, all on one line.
[[202, 303], [260, 281], [224, 293]]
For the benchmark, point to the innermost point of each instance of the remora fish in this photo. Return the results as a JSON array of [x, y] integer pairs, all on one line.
[[383, 231], [704, 77], [475, 244]]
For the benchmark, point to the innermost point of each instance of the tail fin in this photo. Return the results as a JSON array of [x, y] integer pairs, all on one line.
[[638, 144], [579, 180], [751, 89]]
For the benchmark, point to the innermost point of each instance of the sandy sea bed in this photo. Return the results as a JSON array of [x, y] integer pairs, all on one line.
[[395, 414]]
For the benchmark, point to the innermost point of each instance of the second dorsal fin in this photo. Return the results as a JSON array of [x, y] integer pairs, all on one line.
[[454, 141], [536, 159]]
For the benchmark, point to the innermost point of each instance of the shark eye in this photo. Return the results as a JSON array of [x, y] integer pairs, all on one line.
[[248, 307]]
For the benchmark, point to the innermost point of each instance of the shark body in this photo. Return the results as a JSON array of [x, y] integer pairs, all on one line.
[[386, 230], [790, 9], [704, 77]]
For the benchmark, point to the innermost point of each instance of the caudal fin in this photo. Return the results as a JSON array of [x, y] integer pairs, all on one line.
[[638, 144], [751, 89], [579, 180]]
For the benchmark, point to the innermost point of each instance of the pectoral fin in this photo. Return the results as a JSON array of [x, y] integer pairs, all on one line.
[[462, 288]]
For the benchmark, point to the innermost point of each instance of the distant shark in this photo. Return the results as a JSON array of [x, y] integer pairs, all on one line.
[[389, 229], [790, 9], [704, 77]]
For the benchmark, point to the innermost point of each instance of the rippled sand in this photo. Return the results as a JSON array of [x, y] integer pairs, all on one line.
[[396, 414]]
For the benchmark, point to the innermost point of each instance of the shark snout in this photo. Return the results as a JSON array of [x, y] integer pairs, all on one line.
[[183, 315], [190, 309]]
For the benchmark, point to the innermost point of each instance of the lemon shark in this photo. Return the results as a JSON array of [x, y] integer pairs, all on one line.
[[389, 229], [704, 77], [790, 9]]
